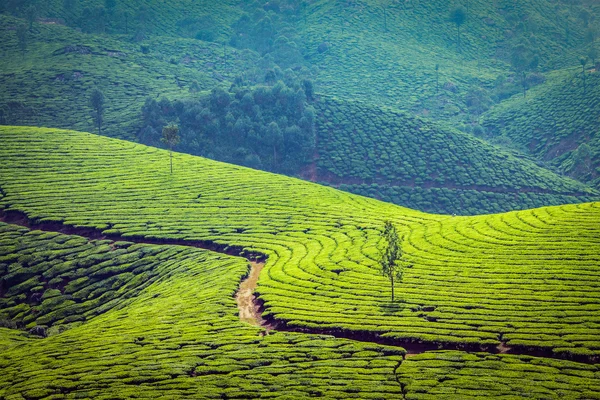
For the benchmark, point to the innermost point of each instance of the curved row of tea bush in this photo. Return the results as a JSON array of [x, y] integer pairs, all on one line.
[[526, 278], [176, 335], [49, 279], [457, 375], [475, 281]]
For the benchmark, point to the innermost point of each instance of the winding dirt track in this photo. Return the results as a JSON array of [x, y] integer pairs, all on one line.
[[250, 307]]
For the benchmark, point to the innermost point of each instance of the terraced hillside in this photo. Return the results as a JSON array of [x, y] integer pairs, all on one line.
[[558, 122], [525, 282], [50, 84], [389, 155]]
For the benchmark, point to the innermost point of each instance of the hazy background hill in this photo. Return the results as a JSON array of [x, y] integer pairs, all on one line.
[[406, 101]]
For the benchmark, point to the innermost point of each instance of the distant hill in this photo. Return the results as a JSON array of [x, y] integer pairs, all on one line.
[[558, 122], [402, 57], [392, 156]]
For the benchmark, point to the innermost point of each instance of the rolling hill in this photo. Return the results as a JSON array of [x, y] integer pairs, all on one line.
[[558, 123], [371, 61], [521, 282]]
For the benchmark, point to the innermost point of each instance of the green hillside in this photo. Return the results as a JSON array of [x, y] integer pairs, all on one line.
[[389, 155], [375, 52], [524, 281], [558, 122], [50, 84]]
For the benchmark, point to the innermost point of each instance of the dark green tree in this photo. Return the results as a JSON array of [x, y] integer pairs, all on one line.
[[437, 77], [170, 137], [274, 138], [31, 12], [309, 90], [22, 38], [391, 261], [97, 104], [523, 59], [593, 55], [110, 5], [458, 16], [583, 62]]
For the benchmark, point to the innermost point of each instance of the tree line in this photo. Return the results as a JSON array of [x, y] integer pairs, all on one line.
[[269, 126]]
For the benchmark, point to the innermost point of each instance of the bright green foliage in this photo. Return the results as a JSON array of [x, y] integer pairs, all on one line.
[[170, 137], [457, 375], [51, 279], [528, 278], [171, 330], [391, 260], [553, 122]]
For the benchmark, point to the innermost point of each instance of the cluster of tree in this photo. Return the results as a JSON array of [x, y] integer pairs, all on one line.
[[268, 126], [267, 28]]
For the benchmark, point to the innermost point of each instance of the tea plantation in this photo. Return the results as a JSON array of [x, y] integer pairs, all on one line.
[[389, 155], [372, 51], [558, 122], [139, 320], [62, 66]]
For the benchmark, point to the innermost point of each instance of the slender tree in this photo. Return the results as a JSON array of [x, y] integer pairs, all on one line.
[[391, 260], [170, 137], [97, 104], [458, 16], [437, 77], [583, 62], [593, 55], [22, 38], [31, 13]]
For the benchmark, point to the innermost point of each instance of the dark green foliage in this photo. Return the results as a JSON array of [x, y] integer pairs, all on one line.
[[524, 59], [170, 137], [270, 31], [458, 16], [22, 39], [97, 104], [269, 127], [389, 155], [553, 122]]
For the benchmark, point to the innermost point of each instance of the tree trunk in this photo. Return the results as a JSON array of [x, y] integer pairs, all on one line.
[[457, 38]]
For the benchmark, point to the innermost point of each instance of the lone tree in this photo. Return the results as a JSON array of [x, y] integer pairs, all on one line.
[[583, 62], [170, 137], [391, 261], [523, 59], [97, 104], [22, 38], [458, 16]]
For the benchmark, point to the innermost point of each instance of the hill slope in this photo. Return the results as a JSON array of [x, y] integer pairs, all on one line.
[[558, 123], [50, 84], [391, 156], [525, 280]]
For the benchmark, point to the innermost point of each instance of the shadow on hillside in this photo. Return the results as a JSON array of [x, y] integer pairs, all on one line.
[[392, 308]]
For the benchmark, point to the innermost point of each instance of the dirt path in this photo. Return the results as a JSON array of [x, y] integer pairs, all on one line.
[[251, 308]]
